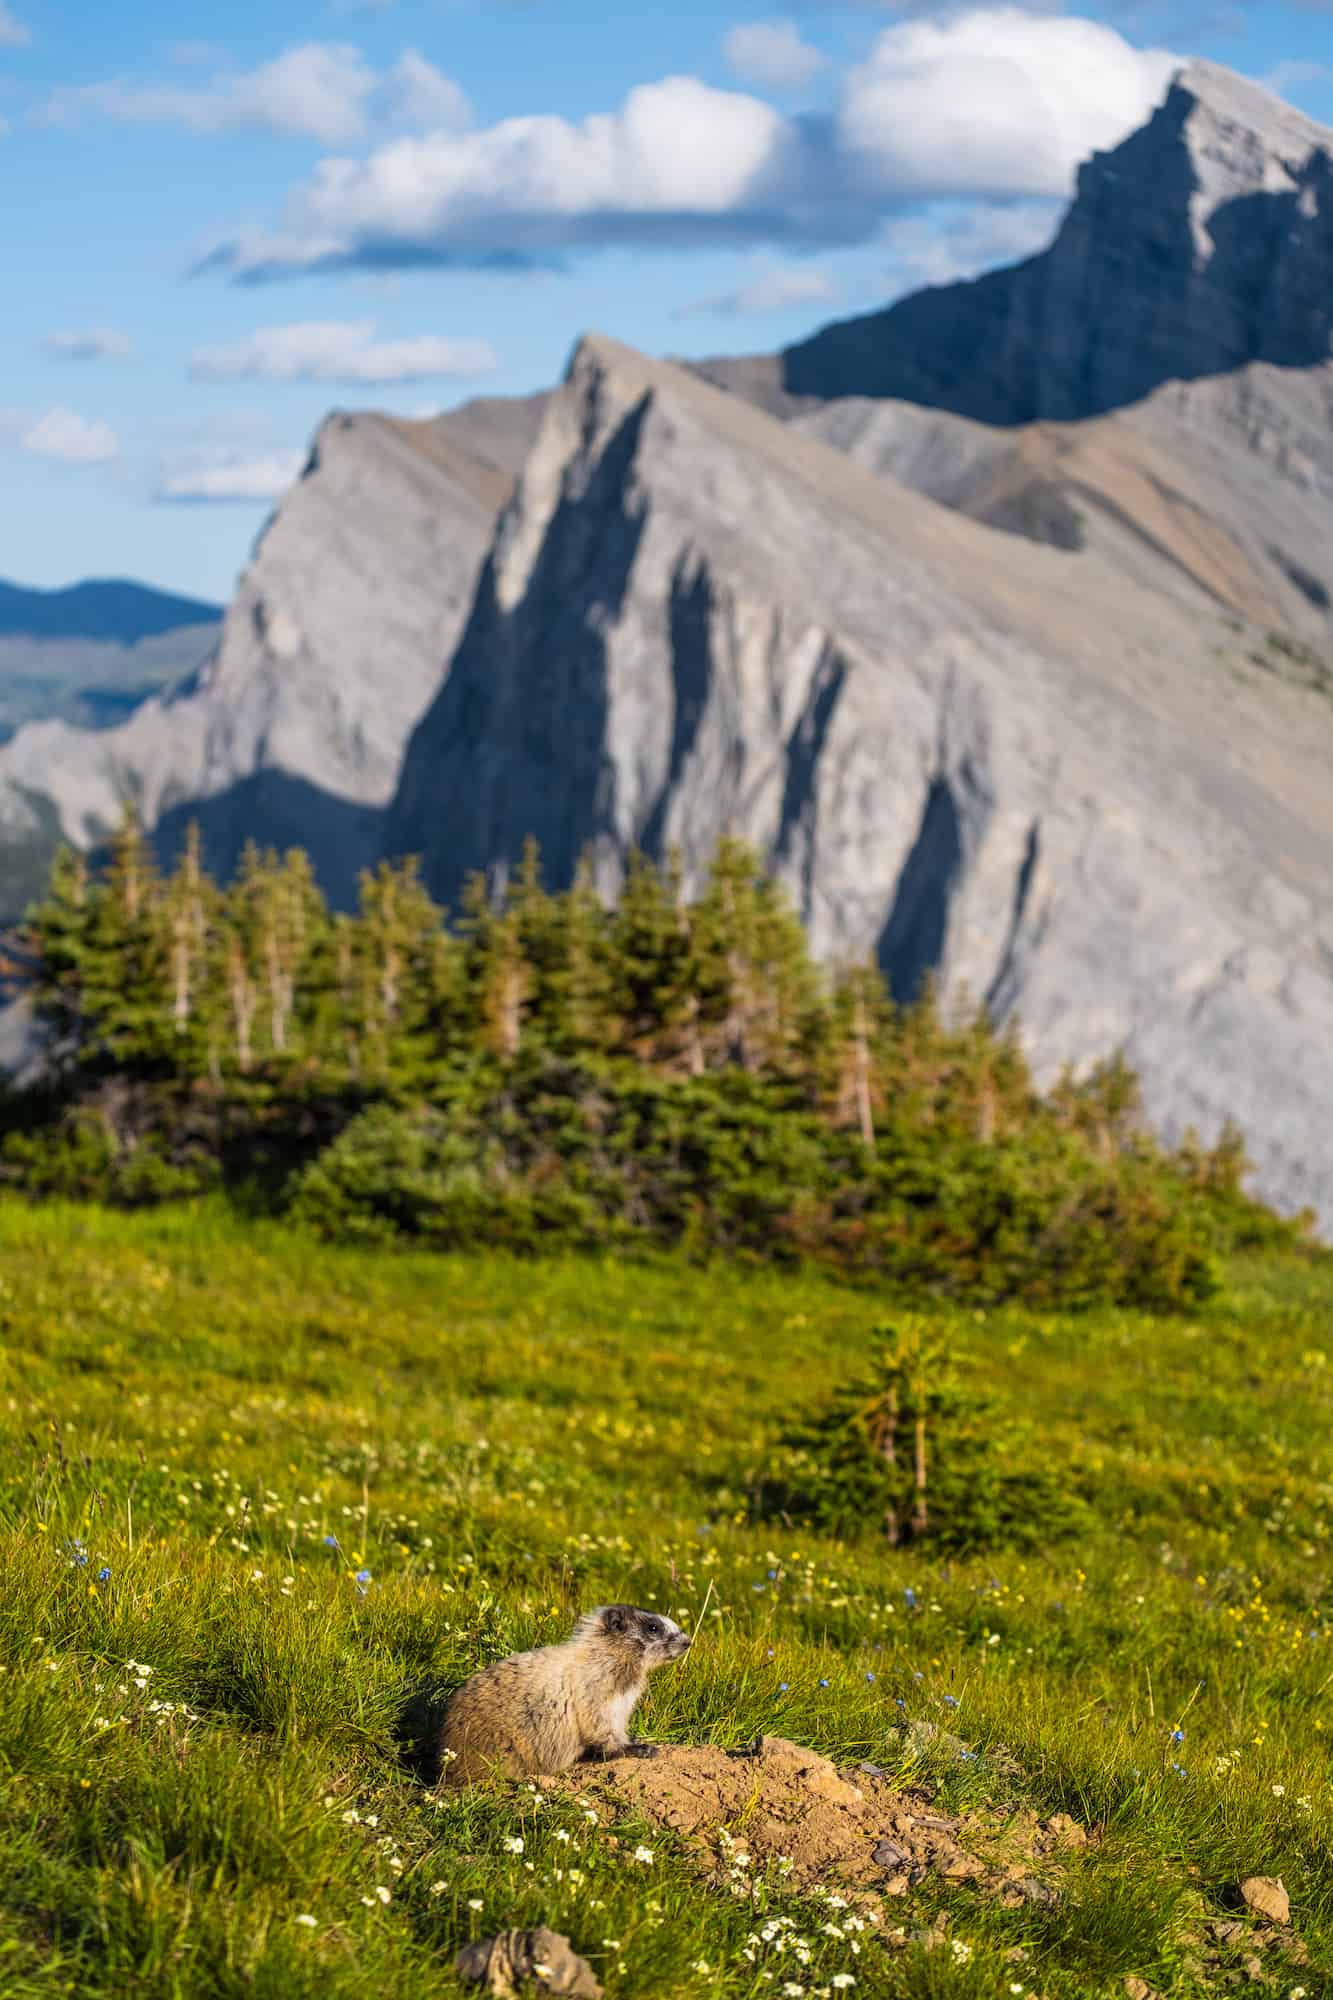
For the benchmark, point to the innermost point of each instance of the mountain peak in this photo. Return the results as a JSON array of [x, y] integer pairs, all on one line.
[[1244, 102], [1200, 244]]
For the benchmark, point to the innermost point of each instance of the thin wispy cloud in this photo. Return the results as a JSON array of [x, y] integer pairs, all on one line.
[[326, 91], [223, 475], [99, 343], [60, 433], [772, 55], [340, 351], [992, 105], [767, 292], [13, 33]]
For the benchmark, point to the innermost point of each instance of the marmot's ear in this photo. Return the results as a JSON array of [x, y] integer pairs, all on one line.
[[616, 1619]]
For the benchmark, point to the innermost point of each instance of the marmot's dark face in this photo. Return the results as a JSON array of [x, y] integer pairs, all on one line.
[[657, 1637]]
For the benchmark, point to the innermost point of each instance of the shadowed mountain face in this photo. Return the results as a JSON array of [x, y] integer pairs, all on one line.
[[1202, 244]]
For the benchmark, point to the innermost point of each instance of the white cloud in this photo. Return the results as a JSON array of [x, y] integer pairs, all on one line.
[[772, 55], [319, 90], [13, 34], [677, 154], [995, 102], [991, 104], [339, 351], [99, 343], [224, 474], [776, 290], [1292, 73], [60, 433]]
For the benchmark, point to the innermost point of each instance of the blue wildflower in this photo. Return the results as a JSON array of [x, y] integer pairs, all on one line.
[[951, 1701], [1177, 1736], [772, 1572], [910, 1596], [870, 1677], [918, 1677], [363, 1576], [330, 1541], [823, 1684], [783, 1686], [104, 1574]]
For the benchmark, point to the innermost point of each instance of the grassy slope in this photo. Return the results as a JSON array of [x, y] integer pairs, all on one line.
[[204, 1403]]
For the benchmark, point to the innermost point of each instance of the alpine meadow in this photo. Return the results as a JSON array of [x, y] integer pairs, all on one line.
[[666, 1001], [278, 1476]]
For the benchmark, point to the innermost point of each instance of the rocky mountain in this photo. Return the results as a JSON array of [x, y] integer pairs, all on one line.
[[999, 621], [1158, 378], [292, 731], [1202, 243], [963, 750], [89, 654]]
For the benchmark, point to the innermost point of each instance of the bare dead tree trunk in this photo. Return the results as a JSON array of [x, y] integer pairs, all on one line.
[[180, 969], [861, 1070], [510, 1011], [242, 995]]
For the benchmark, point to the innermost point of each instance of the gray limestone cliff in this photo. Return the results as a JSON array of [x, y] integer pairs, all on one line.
[[292, 732], [963, 751]]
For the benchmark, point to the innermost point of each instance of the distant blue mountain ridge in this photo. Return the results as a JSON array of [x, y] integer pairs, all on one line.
[[106, 608]]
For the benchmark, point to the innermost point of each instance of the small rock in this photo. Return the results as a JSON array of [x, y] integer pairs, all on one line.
[[1067, 1830], [503, 1964], [1265, 1895], [890, 1855], [1254, 1967], [1136, 1988], [875, 1770], [1030, 1890], [1227, 1930], [939, 1825]]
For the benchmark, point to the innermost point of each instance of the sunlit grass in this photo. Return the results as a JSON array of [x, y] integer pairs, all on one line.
[[256, 1495]]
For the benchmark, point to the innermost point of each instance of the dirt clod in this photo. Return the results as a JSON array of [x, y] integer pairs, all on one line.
[[1265, 1895], [505, 1963], [787, 1810]]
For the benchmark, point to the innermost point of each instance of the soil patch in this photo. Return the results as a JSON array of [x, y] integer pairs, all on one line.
[[780, 1809]]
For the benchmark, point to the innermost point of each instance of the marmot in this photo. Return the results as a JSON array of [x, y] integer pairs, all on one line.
[[537, 1713]]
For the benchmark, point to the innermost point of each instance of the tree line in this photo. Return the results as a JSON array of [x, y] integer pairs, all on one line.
[[246, 1033]]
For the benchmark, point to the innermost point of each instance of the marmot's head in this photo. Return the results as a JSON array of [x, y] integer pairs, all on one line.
[[655, 1637]]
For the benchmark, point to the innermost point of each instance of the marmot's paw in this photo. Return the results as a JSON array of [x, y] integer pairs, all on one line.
[[641, 1749]]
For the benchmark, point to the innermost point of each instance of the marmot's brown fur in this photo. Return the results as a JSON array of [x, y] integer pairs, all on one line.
[[537, 1713]]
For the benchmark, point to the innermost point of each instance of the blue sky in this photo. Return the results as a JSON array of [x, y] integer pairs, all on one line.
[[221, 231]]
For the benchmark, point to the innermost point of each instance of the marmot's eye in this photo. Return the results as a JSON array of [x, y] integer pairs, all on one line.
[[655, 1628]]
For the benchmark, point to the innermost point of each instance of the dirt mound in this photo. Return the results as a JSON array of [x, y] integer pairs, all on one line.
[[783, 1810]]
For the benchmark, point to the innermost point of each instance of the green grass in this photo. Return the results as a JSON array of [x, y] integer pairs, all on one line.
[[202, 1403]]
